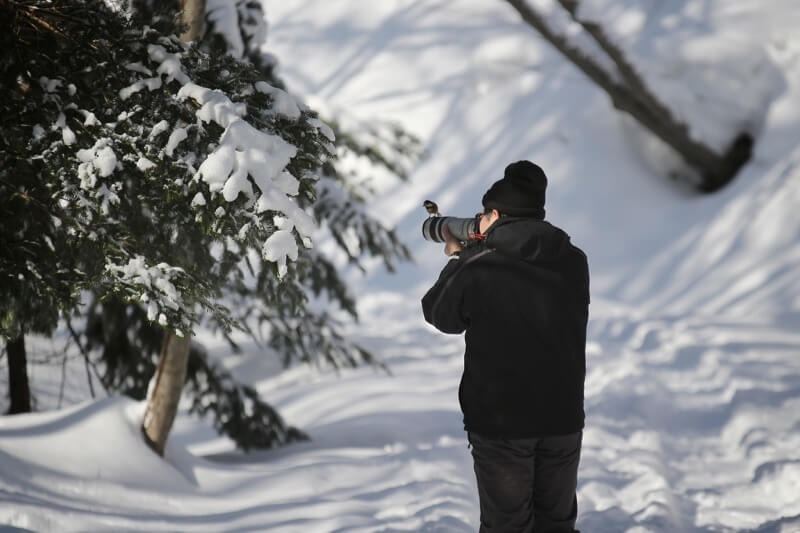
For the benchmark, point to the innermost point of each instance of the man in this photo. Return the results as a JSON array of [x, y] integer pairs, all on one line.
[[520, 289]]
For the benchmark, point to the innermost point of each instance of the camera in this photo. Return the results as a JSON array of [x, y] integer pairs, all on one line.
[[462, 229]]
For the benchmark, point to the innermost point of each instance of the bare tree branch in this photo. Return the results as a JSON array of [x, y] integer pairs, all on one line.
[[626, 69], [629, 93]]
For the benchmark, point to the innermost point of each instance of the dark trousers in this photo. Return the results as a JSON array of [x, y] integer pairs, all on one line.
[[527, 485]]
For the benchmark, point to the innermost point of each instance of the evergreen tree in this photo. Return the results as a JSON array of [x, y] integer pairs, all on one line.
[[136, 167], [120, 331]]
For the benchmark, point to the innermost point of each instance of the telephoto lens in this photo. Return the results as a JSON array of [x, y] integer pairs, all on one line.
[[461, 229]]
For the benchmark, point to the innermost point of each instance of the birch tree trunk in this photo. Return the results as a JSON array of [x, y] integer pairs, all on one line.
[[162, 403], [19, 392], [629, 93], [193, 14]]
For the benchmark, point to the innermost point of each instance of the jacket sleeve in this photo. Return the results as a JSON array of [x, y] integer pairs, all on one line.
[[442, 305]]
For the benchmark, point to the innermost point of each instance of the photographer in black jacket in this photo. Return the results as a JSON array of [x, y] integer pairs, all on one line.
[[520, 290]]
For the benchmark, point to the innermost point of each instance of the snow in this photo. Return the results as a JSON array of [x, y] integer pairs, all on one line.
[[695, 58], [223, 16], [105, 161], [278, 247], [154, 284], [198, 200], [215, 106], [693, 375], [159, 128], [68, 136], [245, 153], [38, 132], [49, 85], [138, 67], [169, 64], [99, 160], [89, 118], [283, 102], [175, 138], [150, 83], [287, 183], [741, 262], [323, 128], [144, 164]]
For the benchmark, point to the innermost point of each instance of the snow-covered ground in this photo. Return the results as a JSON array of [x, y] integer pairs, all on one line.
[[693, 358]]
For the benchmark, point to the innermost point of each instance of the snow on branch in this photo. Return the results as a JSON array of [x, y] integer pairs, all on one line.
[[244, 156], [151, 153], [154, 286]]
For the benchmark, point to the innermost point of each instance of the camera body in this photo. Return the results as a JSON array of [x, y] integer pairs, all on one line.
[[462, 229]]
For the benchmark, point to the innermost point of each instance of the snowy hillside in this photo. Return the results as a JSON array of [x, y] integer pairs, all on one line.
[[693, 356]]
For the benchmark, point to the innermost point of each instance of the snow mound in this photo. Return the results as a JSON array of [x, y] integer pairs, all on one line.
[[741, 263], [91, 466], [99, 440]]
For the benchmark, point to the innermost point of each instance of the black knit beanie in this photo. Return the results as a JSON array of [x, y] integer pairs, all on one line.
[[520, 193]]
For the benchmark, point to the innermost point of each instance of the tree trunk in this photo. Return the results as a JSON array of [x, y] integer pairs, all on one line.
[[193, 13], [19, 392], [162, 404], [630, 94]]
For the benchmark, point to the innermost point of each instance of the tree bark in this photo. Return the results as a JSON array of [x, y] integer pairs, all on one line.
[[19, 392], [630, 94], [193, 13], [162, 405]]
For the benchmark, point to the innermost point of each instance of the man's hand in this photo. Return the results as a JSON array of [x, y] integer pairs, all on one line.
[[451, 245]]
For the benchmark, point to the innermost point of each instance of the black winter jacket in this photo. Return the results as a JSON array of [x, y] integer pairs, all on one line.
[[522, 296]]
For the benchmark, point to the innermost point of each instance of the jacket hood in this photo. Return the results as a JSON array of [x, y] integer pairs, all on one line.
[[528, 239]]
